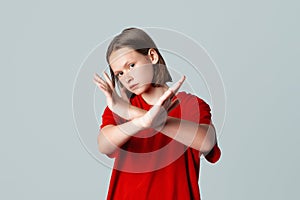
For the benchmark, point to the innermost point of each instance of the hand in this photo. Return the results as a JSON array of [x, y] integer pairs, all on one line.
[[117, 104], [157, 115]]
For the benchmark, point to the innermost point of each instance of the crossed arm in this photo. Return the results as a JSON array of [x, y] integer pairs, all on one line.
[[201, 137]]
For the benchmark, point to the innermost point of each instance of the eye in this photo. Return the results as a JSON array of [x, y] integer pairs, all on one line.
[[119, 74], [131, 65]]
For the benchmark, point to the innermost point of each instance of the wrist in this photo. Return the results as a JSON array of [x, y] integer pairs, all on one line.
[[135, 112], [138, 123]]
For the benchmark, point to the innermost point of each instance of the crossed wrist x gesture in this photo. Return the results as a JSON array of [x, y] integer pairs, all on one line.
[[154, 118]]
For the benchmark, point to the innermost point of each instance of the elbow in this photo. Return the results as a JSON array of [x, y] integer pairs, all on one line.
[[103, 145], [102, 149], [209, 141], [207, 146]]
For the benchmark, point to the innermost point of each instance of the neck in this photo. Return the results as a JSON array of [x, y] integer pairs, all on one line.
[[152, 95]]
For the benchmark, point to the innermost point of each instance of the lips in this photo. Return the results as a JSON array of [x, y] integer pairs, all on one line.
[[132, 87]]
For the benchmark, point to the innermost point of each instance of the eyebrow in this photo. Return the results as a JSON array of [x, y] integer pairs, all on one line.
[[126, 63]]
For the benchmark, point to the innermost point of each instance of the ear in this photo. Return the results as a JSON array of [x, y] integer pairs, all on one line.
[[153, 56]]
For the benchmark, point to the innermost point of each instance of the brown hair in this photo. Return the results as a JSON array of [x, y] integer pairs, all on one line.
[[141, 42]]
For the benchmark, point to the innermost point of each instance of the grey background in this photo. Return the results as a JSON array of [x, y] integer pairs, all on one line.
[[255, 45]]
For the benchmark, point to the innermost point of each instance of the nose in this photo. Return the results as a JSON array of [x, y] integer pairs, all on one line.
[[128, 78]]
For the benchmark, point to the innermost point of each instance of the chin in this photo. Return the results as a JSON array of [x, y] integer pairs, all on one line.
[[138, 91], [141, 89]]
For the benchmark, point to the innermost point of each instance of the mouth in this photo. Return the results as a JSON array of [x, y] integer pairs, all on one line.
[[132, 87]]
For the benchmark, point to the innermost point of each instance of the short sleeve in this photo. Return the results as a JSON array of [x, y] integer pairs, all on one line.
[[110, 118], [205, 118], [197, 110], [107, 118], [204, 110], [214, 155], [194, 109]]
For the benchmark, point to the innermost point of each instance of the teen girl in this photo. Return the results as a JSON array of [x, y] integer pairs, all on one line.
[[155, 134]]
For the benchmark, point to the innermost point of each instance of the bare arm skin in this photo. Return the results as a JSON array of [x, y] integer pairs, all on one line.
[[112, 137], [201, 137]]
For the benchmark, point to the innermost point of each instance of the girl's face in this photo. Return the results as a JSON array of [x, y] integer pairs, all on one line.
[[134, 70]]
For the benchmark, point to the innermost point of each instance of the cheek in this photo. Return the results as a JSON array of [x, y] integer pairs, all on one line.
[[122, 81], [143, 74]]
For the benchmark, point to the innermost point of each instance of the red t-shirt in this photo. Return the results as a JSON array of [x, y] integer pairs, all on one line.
[[151, 165]]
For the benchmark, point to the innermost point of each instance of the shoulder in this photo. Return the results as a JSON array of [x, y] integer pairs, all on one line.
[[188, 98], [193, 108], [109, 117]]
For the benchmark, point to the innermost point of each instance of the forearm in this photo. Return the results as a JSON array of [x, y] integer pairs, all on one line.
[[128, 111], [201, 137], [135, 112], [112, 137]]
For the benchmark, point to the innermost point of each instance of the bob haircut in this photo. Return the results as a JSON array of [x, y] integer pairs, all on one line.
[[140, 42]]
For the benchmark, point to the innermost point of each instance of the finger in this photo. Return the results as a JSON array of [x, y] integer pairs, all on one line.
[[164, 97], [103, 88], [175, 87], [171, 92], [98, 78], [101, 83], [96, 82], [108, 80], [166, 104], [173, 105]]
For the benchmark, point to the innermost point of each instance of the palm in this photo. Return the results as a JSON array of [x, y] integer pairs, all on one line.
[[157, 115], [106, 86]]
